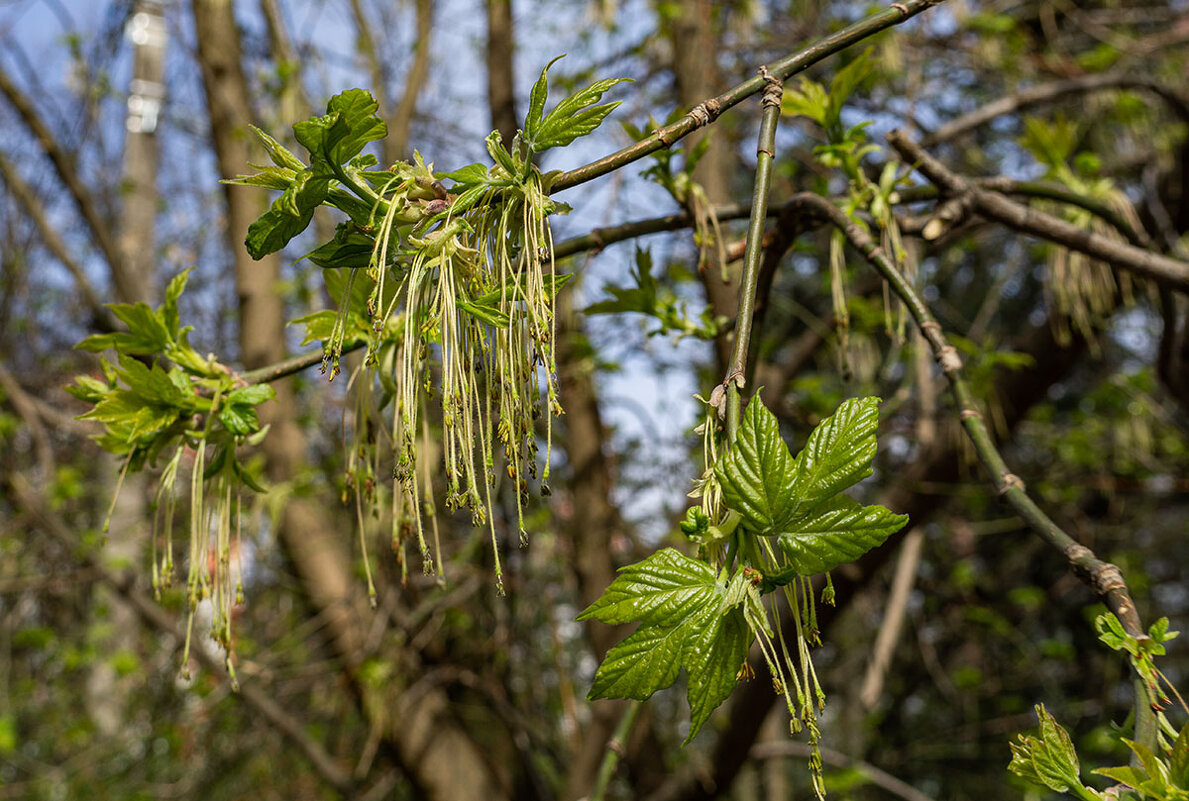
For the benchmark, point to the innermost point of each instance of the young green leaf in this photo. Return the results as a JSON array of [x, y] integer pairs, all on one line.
[[349, 247], [169, 309], [280, 155], [252, 395], [349, 124], [239, 418], [573, 117], [756, 471], [685, 621], [536, 101], [838, 453], [290, 214], [1049, 760], [797, 500], [835, 532]]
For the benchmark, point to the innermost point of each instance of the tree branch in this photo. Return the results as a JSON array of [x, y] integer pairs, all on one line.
[[1166, 271], [103, 318], [65, 167], [1103, 578], [1052, 91], [707, 111]]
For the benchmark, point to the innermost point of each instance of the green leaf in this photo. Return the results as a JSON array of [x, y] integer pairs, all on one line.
[[349, 247], [685, 621], [1058, 760], [838, 453], [253, 395], [169, 309], [756, 471], [147, 334], [517, 285], [846, 81], [1178, 760], [1049, 760], [290, 214], [470, 174], [319, 325], [280, 155], [499, 154], [1124, 775], [536, 101], [152, 383], [560, 132], [486, 313], [797, 500], [836, 532], [349, 124], [245, 476], [129, 418], [571, 118], [239, 419], [808, 99], [278, 178]]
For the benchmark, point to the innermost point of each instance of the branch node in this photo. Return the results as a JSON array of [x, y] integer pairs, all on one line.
[[773, 88], [659, 133], [718, 400], [949, 359], [931, 325], [771, 155], [704, 113], [968, 414], [1010, 480], [903, 9]]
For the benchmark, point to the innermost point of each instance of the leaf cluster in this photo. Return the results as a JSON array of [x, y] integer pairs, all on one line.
[[150, 399], [695, 617], [659, 302]]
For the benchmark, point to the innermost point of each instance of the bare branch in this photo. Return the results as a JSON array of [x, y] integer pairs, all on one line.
[[1047, 92], [66, 169], [1168, 272], [50, 236], [709, 110], [837, 759], [1103, 578]]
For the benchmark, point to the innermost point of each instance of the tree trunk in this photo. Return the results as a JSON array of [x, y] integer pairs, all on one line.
[[436, 755]]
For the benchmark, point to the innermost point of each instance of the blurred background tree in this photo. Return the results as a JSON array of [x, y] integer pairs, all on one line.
[[118, 120]]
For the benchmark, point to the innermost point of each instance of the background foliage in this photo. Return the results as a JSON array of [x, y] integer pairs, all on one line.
[[446, 690]]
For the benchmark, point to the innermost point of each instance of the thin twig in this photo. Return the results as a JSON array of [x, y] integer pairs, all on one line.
[[1052, 91], [1104, 578], [707, 111], [765, 155], [837, 759], [103, 318], [615, 748], [1162, 269], [67, 171]]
